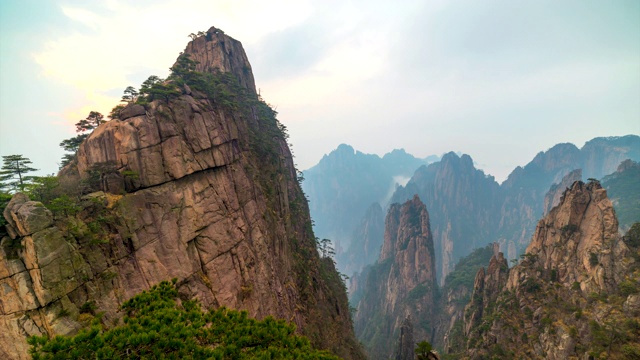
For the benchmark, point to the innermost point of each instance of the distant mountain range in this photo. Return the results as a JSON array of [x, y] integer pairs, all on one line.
[[345, 183], [468, 208]]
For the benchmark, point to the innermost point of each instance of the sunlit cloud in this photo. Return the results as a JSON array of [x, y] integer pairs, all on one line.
[[122, 41], [428, 76]]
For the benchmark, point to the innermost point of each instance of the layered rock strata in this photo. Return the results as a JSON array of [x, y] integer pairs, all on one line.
[[401, 284], [195, 189], [570, 295]]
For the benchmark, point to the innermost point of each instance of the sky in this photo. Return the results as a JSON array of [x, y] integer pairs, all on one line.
[[498, 80]]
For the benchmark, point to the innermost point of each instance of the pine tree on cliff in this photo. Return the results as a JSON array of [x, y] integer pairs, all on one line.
[[84, 127]]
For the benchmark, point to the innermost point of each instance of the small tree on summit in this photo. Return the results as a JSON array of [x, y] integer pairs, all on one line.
[[83, 127], [130, 94], [156, 88], [14, 170], [93, 120]]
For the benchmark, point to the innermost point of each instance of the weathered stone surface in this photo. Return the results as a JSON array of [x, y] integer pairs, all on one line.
[[564, 290], [26, 217], [201, 205], [402, 282], [218, 52], [580, 240], [132, 110], [406, 344], [552, 199], [464, 205]]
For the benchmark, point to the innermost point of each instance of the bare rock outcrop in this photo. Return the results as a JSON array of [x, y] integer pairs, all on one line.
[[552, 199], [217, 52], [579, 240], [402, 282], [405, 346], [486, 288], [194, 189], [572, 295]]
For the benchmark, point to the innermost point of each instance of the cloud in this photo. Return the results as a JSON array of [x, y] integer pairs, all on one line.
[[428, 76], [122, 44]]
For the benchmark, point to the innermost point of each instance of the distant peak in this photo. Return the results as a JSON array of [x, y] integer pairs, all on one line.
[[344, 148]]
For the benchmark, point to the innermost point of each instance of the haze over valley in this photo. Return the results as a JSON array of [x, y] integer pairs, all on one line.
[[465, 182]]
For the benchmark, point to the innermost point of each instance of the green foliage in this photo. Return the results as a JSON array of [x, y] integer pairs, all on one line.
[[96, 173], [631, 351], [156, 326], [83, 127], [43, 188], [325, 248], [92, 121], [628, 287], [155, 88], [13, 173], [632, 237], [466, 269], [115, 112], [88, 308], [418, 292], [530, 285], [72, 144], [575, 286], [130, 94], [423, 349], [63, 312], [64, 206], [185, 69]]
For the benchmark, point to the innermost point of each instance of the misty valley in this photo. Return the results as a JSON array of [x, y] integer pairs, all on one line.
[[179, 227]]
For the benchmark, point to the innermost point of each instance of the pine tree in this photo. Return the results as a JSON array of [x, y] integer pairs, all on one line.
[[83, 127], [13, 173], [157, 326]]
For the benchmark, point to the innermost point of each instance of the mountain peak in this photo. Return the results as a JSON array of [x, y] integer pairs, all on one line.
[[214, 51], [579, 239]]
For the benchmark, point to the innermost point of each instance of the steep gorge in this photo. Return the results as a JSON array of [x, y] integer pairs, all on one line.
[[198, 186]]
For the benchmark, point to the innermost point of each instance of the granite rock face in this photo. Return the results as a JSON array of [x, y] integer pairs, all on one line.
[[192, 189], [216, 51], [401, 284], [574, 287], [553, 196], [463, 203], [406, 344], [580, 240]]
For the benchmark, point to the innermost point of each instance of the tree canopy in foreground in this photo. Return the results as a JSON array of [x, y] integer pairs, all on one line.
[[159, 326]]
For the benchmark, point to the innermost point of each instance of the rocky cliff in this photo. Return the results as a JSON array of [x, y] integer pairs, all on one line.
[[601, 156], [574, 293], [553, 196], [526, 187], [344, 184], [401, 284], [199, 186], [463, 203], [455, 295]]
